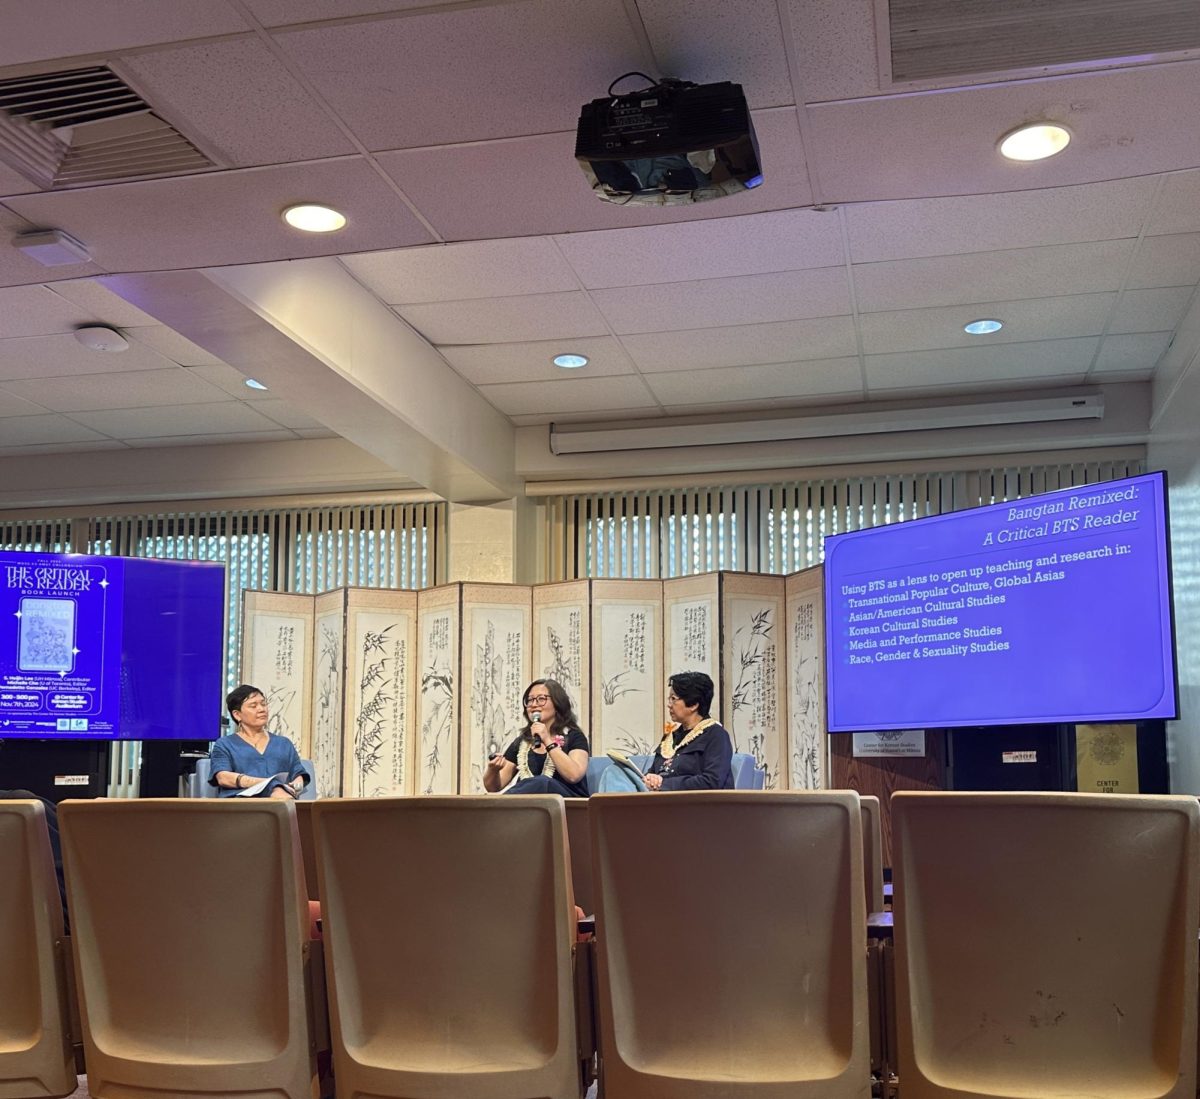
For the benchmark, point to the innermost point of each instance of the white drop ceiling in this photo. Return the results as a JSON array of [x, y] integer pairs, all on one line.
[[445, 131]]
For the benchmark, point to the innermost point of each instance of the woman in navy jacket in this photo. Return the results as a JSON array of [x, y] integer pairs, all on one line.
[[697, 753]]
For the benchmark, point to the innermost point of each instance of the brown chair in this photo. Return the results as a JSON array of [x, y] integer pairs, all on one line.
[[731, 945], [580, 843], [872, 851], [36, 1058], [189, 928], [449, 938], [1046, 945]]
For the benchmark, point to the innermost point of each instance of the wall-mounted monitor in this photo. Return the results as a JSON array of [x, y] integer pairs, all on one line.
[[110, 647], [1053, 608]]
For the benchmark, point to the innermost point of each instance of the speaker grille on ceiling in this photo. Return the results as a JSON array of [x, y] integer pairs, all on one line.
[[932, 39], [64, 129]]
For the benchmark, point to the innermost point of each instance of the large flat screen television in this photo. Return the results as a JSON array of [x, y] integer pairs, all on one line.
[[110, 647], [1053, 608]]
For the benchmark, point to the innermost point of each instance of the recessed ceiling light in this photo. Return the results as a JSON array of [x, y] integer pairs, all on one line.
[[1035, 141], [313, 218], [254, 383], [982, 327], [570, 362]]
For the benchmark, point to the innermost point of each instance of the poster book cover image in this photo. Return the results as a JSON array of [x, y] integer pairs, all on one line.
[[46, 640]]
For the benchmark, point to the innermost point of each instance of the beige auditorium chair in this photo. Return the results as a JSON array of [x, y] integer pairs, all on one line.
[[580, 844], [308, 852], [1046, 945], [731, 949], [872, 851], [449, 938], [36, 1058], [189, 928]]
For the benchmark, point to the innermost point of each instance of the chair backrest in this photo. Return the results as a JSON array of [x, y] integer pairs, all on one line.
[[872, 823], [580, 843], [449, 931], [731, 945], [190, 934], [1046, 944], [35, 1044], [742, 768], [597, 765], [200, 787], [308, 847]]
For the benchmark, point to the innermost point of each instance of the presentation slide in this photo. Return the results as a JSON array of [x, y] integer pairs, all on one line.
[[1055, 608], [61, 674]]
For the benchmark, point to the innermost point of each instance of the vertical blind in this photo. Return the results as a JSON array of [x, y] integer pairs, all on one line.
[[772, 528], [296, 550]]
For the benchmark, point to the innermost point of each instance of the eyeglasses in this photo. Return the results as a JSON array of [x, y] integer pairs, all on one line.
[[674, 698], [537, 700]]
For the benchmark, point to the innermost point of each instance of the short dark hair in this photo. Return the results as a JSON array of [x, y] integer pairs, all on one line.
[[562, 703], [694, 689], [237, 697]]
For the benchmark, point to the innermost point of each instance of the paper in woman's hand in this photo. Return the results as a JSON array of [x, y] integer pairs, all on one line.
[[265, 786]]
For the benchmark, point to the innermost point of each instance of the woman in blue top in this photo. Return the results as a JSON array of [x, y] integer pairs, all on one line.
[[250, 754]]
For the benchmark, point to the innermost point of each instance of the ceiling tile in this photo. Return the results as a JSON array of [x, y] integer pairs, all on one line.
[[712, 40], [227, 217], [236, 98], [278, 13], [980, 365], [486, 364], [171, 345], [835, 54], [38, 311], [229, 380], [526, 69], [745, 299], [223, 418], [64, 356], [944, 142], [12, 405], [28, 430], [213, 439], [99, 443], [457, 272], [531, 186], [975, 223], [744, 345], [991, 276], [1131, 353], [785, 240], [102, 26], [780, 381], [1024, 322], [146, 389], [1178, 209], [285, 414], [1166, 261], [570, 395], [501, 320], [1151, 310], [101, 303]]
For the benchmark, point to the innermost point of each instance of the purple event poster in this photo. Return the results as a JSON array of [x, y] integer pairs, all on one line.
[[60, 645]]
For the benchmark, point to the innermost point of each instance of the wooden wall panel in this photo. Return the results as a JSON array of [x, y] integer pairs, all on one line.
[[883, 776]]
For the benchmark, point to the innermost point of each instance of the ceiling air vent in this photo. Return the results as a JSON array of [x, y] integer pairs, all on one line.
[[936, 39], [65, 129]]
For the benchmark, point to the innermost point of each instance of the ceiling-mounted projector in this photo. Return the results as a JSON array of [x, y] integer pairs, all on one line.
[[670, 144]]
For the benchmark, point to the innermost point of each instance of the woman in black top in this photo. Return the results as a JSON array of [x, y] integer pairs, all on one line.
[[697, 753], [551, 754]]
